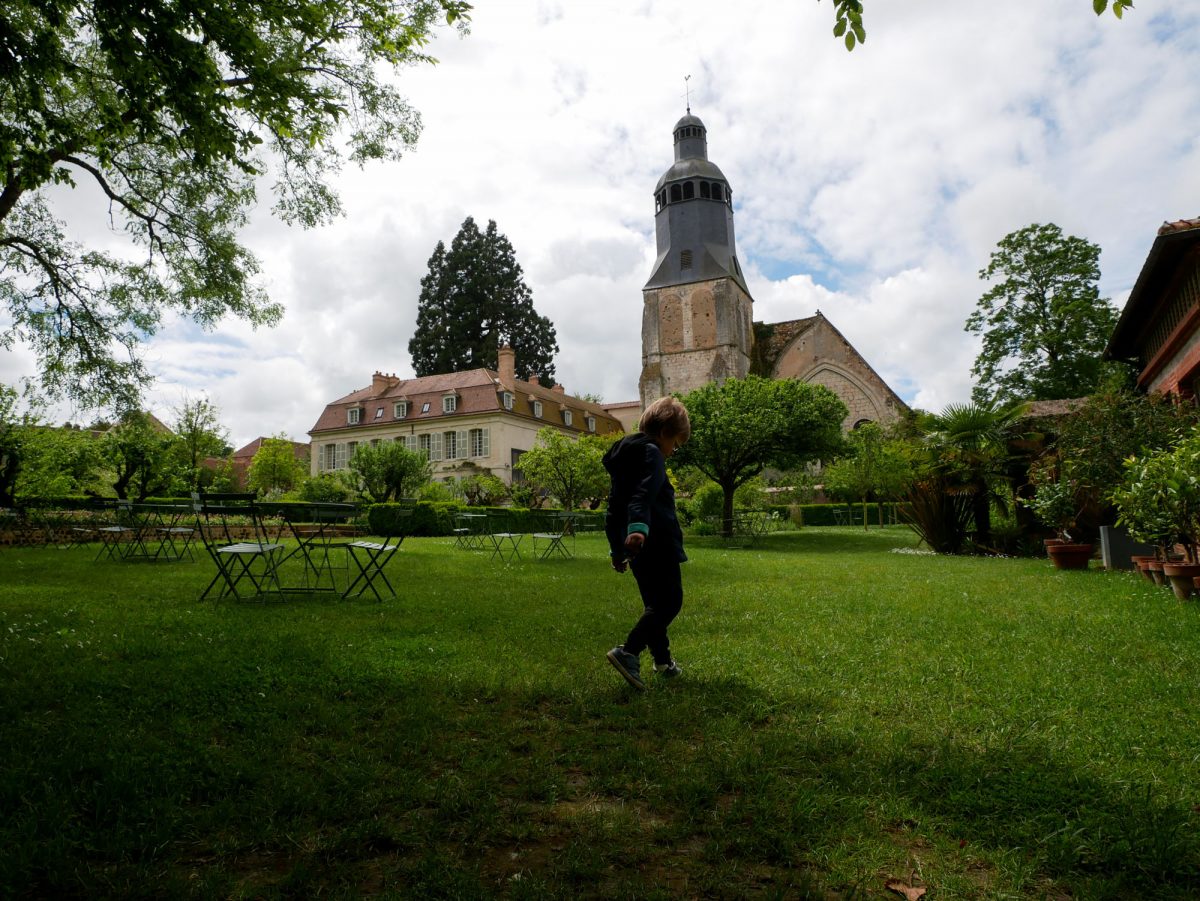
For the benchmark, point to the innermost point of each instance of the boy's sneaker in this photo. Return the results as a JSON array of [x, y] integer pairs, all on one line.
[[667, 670], [628, 666]]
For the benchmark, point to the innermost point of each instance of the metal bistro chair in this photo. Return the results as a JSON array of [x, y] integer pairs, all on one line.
[[237, 558], [556, 529], [115, 528], [370, 557]]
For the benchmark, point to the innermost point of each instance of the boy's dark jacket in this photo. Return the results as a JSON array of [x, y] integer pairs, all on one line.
[[641, 499]]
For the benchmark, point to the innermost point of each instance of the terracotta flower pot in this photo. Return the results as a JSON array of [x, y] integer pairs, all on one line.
[[1070, 556], [1140, 562], [1182, 577]]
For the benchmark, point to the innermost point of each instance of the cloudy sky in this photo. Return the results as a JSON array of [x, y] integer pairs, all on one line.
[[870, 185]]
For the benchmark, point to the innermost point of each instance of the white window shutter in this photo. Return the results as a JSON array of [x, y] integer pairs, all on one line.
[[435, 446]]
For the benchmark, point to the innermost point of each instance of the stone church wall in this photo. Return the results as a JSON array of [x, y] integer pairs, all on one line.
[[822, 356], [693, 334]]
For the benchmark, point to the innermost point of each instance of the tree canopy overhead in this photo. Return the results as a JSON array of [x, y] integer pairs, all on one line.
[[173, 111], [848, 18], [473, 299], [1043, 322]]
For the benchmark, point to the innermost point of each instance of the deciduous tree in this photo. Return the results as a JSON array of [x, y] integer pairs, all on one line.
[[173, 111], [201, 435], [389, 471], [139, 452], [473, 299], [567, 468], [60, 462], [741, 426], [275, 468], [16, 418], [875, 467], [1043, 322]]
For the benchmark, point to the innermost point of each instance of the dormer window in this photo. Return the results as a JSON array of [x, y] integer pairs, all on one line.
[[449, 403], [537, 409], [566, 417], [506, 399], [591, 423], [400, 410], [353, 416]]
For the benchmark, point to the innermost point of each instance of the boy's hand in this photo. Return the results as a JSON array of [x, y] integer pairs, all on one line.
[[620, 564], [633, 543]]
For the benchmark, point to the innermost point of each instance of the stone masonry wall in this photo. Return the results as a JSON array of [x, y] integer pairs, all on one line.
[[692, 335]]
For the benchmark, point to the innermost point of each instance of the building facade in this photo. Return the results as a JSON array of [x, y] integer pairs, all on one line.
[[697, 312], [464, 422], [1159, 329]]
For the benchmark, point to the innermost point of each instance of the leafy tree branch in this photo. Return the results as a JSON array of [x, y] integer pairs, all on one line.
[[175, 111]]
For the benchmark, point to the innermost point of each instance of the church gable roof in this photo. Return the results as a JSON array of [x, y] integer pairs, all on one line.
[[770, 340], [779, 337]]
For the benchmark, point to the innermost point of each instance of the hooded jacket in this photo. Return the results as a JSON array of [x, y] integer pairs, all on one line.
[[641, 499]]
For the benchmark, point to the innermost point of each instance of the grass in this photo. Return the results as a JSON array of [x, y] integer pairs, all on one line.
[[989, 728]]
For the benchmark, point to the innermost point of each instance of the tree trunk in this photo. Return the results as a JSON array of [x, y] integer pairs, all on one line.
[[866, 518], [982, 511], [727, 510]]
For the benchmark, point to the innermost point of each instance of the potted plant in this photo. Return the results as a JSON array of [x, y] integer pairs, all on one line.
[[1054, 504], [1160, 504], [1181, 476]]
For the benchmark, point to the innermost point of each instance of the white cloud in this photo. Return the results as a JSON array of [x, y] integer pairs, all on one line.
[[871, 185]]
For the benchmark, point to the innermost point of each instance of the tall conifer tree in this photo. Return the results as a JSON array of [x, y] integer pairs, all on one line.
[[473, 299]]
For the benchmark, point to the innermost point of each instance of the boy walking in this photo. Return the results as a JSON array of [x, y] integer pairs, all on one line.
[[644, 533]]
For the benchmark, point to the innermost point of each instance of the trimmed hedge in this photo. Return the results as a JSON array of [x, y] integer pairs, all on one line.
[[829, 514], [438, 518]]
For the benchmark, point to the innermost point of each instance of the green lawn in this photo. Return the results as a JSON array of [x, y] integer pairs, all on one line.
[[989, 728]]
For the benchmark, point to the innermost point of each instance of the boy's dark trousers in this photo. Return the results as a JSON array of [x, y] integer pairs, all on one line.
[[661, 588]]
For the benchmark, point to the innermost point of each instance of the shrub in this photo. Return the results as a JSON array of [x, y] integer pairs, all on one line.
[[941, 519], [707, 501], [325, 488], [438, 493], [751, 496]]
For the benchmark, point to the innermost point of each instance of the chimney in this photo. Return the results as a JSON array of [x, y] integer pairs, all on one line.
[[533, 378], [559, 389], [507, 366], [379, 384]]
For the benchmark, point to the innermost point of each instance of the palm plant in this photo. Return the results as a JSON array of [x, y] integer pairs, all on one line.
[[968, 447]]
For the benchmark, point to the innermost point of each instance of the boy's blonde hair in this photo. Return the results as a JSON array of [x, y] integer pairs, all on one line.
[[666, 416]]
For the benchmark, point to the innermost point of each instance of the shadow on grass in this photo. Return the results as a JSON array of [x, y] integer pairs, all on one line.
[[218, 758], [265, 782]]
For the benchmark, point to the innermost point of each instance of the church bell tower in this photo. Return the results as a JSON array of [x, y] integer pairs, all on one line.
[[696, 313]]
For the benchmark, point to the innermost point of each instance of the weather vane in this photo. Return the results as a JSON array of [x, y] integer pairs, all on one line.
[[687, 93]]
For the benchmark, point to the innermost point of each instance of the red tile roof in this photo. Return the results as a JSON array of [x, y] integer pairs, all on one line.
[[478, 391], [1179, 225]]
